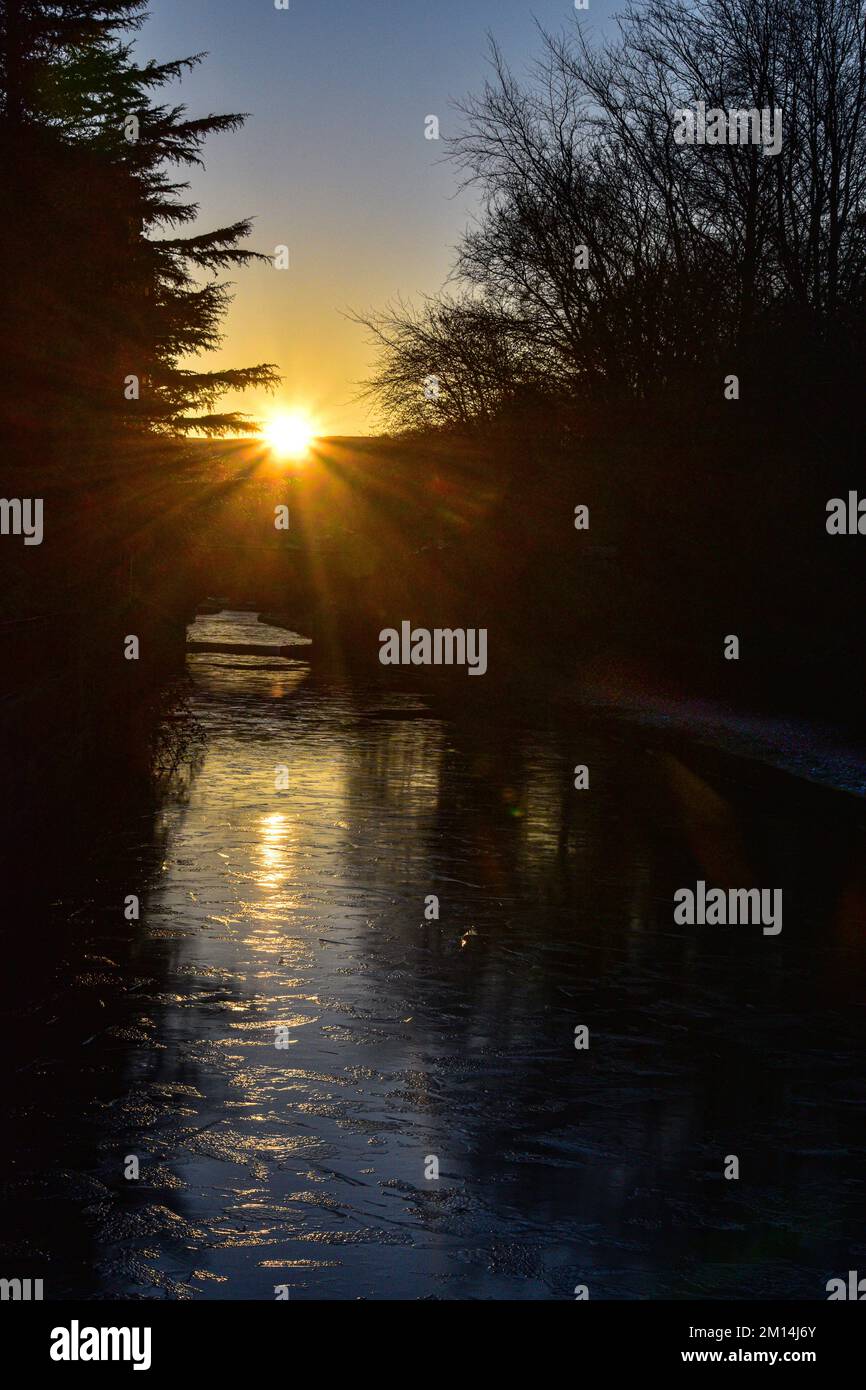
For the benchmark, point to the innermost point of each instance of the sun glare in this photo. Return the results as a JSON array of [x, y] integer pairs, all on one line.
[[289, 434]]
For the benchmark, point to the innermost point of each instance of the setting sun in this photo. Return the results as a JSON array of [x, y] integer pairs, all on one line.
[[290, 434]]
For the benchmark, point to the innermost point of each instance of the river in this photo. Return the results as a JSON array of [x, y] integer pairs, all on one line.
[[290, 1043]]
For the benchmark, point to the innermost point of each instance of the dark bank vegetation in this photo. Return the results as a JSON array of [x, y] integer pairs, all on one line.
[[103, 282], [612, 283]]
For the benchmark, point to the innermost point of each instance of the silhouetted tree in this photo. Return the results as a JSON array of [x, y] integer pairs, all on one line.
[[98, 296], [450, 364], [619, 259]]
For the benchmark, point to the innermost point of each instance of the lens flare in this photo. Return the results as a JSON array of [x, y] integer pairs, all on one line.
[[289, 435]]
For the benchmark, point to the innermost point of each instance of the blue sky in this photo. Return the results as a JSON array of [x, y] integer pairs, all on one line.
[[334, 164]]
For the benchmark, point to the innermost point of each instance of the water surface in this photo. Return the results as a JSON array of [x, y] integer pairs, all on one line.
[[285, 883]]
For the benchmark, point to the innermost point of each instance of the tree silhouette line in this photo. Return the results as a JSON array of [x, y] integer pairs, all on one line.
[[104, 285], [669, 332], [608, 260], [112, 290]]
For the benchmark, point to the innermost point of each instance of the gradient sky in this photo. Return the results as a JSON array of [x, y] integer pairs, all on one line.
[[333, 163]]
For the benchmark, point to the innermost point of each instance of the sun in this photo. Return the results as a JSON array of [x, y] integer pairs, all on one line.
[[290, 434]]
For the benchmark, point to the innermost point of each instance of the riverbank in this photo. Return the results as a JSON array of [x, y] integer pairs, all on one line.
[[810, 750]]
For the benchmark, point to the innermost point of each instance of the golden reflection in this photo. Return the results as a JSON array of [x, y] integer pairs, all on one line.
[[271, 849]]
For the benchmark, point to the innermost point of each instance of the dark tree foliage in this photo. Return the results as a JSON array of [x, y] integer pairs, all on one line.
[[620, 260], [672, 334], [106, 276], [101, 283]]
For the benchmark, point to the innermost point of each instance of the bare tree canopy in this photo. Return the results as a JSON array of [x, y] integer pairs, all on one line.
[[616, 256]]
